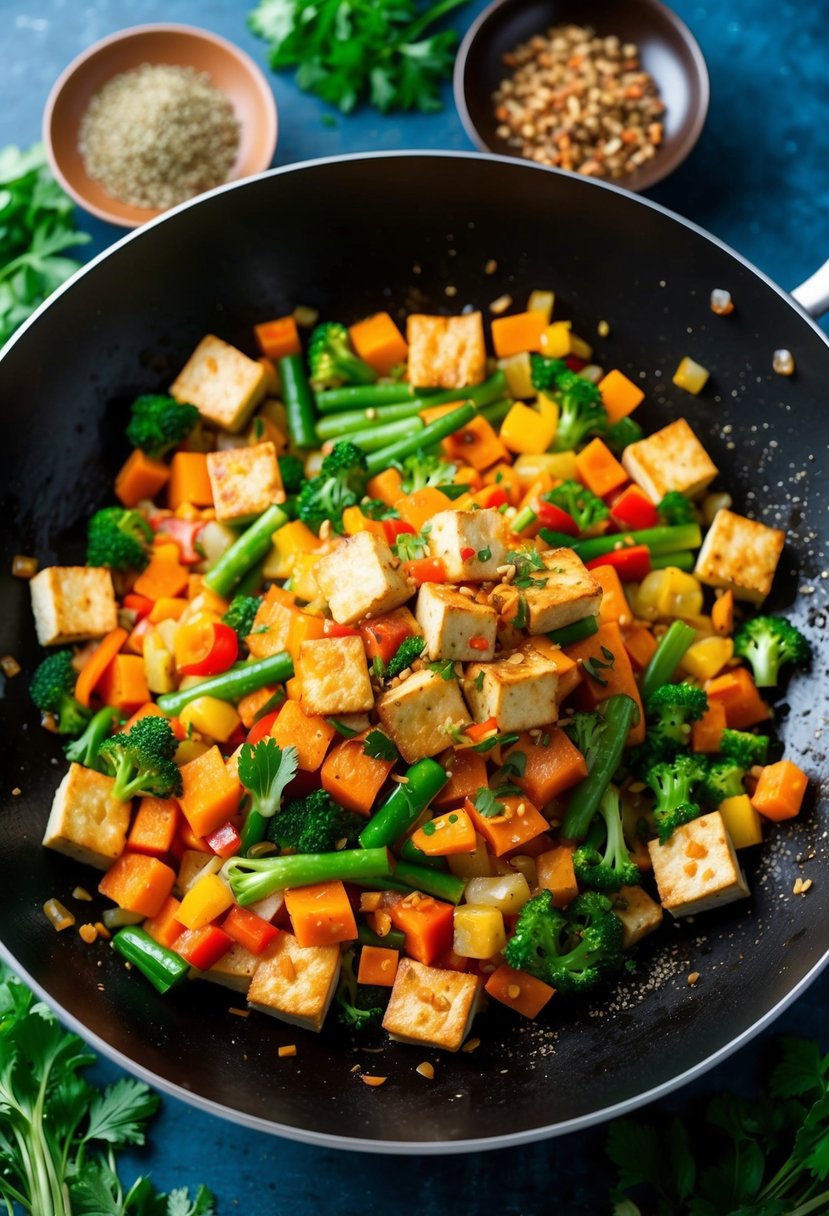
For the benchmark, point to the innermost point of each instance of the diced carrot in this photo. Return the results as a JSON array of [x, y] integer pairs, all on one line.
[[518, 824], [189, 481], [518, 333], [608, 680], [387, 486], [278, 339], [321, 914], [148, 710], [740, 699], [478, 731], [640, 645], [309, 733], [138, 883], [706, 734], [446, 835], [568, 671], [379, 342], [599, 469], [249, 930], [556, 874], [467, 774], [780, 790], [303, 628], [505, 477], [352, 778], [553, 765], [520, 991], [475, 444], [140, 477], [164, 577], [97, 663], [427, 923], [210, 794], [722, 614], [163, 927], [378, 966], [383, 635], [135, 642], [614, 604], [154, 827], [355, 521], [187, 840], [124, 683], [619, 394], [168, 608], [419, 507], [249, 706]]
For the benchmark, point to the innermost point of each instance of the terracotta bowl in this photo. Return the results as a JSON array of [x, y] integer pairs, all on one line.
[[231, 71], [667, 48]]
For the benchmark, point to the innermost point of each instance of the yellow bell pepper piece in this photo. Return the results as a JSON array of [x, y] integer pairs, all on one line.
[[559, 466], [556, 340], [526, 431], [168, 608], [543, 302], [290, 540], [691, 376], [159, 664], [303, 578], [517, 369], [478, 931], [669, 593], [190, 749], [706, 658], [212, 717], [206, 899], [742, 822]]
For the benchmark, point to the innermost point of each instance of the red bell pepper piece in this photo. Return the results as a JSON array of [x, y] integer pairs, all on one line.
[[467, 552], [575, 363], [332, 630], [479, 730], [249, 930], [426, 570], [225, 841], [201, 948], [262, 728], [630, 564], [633, 510], [222, 650], [478, 642], [141, 605], [383, 635], [493, 496], [184, 532], [396, 527], [551, 516]]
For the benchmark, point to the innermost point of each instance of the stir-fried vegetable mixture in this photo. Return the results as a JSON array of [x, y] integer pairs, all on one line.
[[404, 673]]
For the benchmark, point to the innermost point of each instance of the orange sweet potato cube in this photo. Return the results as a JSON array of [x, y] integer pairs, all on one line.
[[210, 795]]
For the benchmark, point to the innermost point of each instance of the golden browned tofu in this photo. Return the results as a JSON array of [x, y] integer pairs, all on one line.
[[697, 869], [431, 1007], [741, 555], [446, 352], [454, 625], [419, 711], [295, 983], [72, 604], [360, 578], [234, 970], [222, 382], [518, 690], [245, 481], [334, 677], [670, 459], [639, 914], [86, 823], [563, 592]]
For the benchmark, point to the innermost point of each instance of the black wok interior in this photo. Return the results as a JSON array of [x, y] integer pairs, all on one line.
[[398, 232]]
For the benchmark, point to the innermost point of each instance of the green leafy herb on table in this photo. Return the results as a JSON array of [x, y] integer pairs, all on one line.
[[364, 50], [36, 228], [763, 1157], [58, 1134]]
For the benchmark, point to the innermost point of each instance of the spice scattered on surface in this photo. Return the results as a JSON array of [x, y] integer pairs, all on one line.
[[721, 302], [58, 916], [783, 362], [580, 102], [693, 979], [159, 135], [426, 1070], [373, 1082], [471, 1045], [82, 894], [24, 567], [10, 666], [288, 1050], [88, 933]]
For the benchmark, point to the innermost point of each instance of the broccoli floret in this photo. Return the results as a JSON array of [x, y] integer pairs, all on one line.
[[141, 760], [622, 434], [603, 860], [332, 361], [159, 423], [406, 653], [571, 951], [585, 729], [724, 779], [581, 409], [53, 691], [84, 750], [676, 509], [372, 1000], [118, 538], [744, 748], [241, 613], [670, 711], [315, 824], [340, 484], [545, 373], [767, 643], [422, 469], [292, 472], [582, 504], [673, 782]]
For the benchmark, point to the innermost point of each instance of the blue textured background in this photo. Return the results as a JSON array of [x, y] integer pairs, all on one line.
[[759, 179]]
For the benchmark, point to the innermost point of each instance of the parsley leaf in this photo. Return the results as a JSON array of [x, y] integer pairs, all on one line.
[[595, 666], [379, 746], [515, 764], [487, 804], [264, 770], [525, 562], [445, 668]]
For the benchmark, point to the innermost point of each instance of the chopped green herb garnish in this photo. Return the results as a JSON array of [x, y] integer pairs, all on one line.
[[445, 668], [379, 746], [484, 555], [341, 728], [595, 666]]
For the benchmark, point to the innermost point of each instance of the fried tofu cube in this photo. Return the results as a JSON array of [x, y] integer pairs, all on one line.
[[86, 823], [334, 677], [741, 555], [697, 869], [73, 604], [446, 352], [224, 384], [360, 578], [639, 914], [245, 481], [670, 459], [471, 544], [431, 1007], [455, 626], [418, 712], [295, 983], [564, 592], [234, 969], [519, 690]]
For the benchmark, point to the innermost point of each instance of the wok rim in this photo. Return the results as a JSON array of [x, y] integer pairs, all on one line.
[[406, 1147]]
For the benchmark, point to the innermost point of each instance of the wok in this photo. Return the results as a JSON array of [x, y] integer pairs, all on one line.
[[399, 231]]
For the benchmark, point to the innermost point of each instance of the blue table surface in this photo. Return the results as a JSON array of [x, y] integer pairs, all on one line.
[[759, 179]]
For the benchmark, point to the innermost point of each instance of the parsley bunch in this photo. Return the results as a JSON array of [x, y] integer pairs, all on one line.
[[351, 51]]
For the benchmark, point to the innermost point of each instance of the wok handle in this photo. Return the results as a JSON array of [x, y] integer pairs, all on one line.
[[813, 294]]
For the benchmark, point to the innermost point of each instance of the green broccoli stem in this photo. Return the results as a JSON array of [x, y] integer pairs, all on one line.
[[84, 750], [236, 682], [409, 851], [246, 552], [672, 646], [664, 539], [358, 397], [298, 397], [253, 879], [439, 883], [577, 632], [423, 438], [394, 939], [347, 425], [618, 714], [406, 802], [681, 561], [162, 967], [497, 411], [382, 436]]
